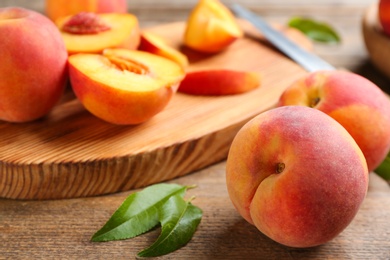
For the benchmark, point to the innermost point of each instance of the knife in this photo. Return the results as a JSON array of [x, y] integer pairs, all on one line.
[[307, 60]]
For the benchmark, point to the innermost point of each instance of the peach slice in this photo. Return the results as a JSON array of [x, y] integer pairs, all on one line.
[[122, 86], [153, 43], [211, 27], [55, 9], [92, 33], [219, 82]]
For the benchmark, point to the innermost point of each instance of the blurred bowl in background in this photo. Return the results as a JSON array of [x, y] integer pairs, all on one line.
[[376, 41]]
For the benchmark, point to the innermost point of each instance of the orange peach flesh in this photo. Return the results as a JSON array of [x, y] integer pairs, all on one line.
[[219, 82], [123, 86], [123, 33], [299, 177], [154, 44], [356, 103], [211, 27], [61, 8]]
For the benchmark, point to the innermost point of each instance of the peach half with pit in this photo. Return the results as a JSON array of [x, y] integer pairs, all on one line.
[[356, 103], [87, 32], [297, 175], [211, 27], [33, 67], [216, 82], [155, 44], [124, 87], [60, 8]]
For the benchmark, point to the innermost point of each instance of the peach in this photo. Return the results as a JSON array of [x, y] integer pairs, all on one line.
[[153, 43], [59, 8], [33, 68], [124, 87], [384, 15], [219, 82], [297, 175], [92, 33], [211, 27], [355, 102]]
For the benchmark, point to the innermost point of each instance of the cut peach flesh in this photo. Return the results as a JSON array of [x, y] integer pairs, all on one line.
[[219, 15], [154, 44], [101, 69], [211, 27], [124, 33], [122, 86]]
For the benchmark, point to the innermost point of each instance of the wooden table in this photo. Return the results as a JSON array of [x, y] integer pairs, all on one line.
[[61, 229]]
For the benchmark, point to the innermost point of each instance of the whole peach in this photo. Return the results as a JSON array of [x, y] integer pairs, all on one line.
[[355, 102], [33, 67], [60, 8], [297, 175]]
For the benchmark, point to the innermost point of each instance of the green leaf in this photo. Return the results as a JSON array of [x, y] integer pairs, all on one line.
[[179, 221], [316, 31], [383, 169], [138, 213]]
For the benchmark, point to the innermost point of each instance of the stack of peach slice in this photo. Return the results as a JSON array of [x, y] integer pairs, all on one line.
[[211, 28], [125, 76]]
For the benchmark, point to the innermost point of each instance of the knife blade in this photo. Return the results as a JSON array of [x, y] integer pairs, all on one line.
[[307, 60]]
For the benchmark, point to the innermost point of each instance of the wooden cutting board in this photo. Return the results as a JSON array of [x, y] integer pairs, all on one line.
[[71, 153]]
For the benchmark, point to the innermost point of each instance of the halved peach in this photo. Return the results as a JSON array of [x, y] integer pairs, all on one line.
[[153, 43], [92, 33], [124, 86], [211, 27], [219, 82]]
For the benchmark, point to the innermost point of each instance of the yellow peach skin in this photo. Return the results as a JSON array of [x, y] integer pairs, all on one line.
[[355, 102], [33, 67], [60, 8], [297, 175], [154, 44], [122, 86], [219, 82], [119, 31], [211, 27]]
